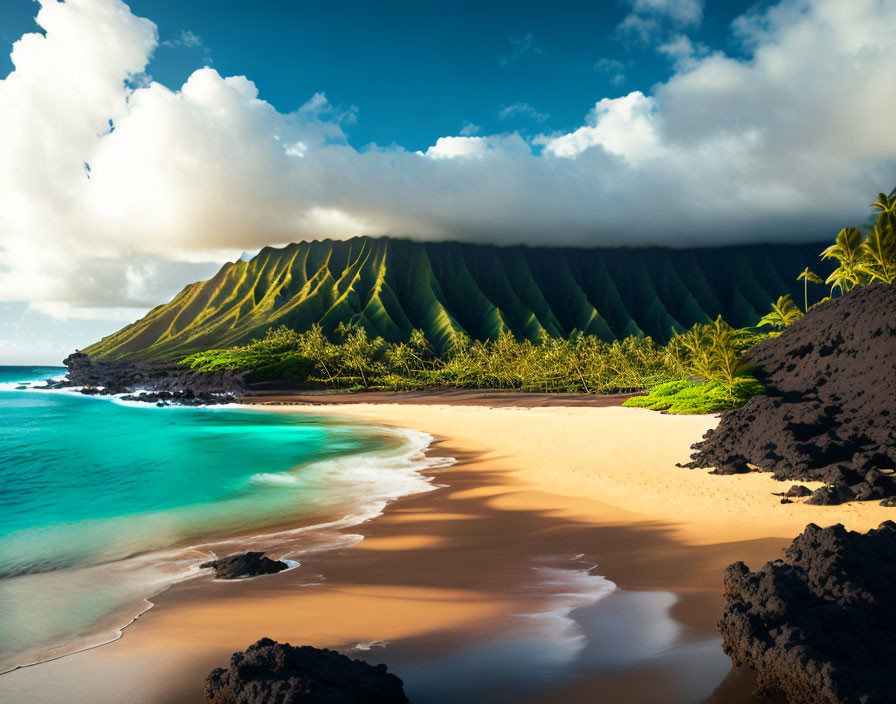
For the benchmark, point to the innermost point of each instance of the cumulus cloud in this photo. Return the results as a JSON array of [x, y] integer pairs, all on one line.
[[627, 127], [787, 143], [682, 51]]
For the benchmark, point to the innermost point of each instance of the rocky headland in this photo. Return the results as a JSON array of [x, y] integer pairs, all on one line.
[[829, 411], [151, 381]]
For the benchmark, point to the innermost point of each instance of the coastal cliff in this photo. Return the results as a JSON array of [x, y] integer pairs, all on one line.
[[391, 287]]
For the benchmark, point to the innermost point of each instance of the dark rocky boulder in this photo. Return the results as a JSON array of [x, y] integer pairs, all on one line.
[[156, 381], [829, 411], [819, 626], [268, 672], [798, 491], [247, 564]]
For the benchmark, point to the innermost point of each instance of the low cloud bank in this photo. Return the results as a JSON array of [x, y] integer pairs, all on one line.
[[114, 190]]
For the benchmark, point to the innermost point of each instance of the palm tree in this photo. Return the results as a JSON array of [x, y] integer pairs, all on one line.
[[807, 276], [886, 204], [847, 251], [784, 313], [879, 254]]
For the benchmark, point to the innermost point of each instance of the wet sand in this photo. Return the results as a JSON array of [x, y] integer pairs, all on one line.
[[480, 591]]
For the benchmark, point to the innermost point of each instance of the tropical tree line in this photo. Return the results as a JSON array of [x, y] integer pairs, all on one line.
[[863, 258], [707, 353]]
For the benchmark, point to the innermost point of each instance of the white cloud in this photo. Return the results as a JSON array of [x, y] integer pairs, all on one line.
[[454, 147], [789, 142], [682, 12], [648, 17], [470, 129], [626, 127], [522, 110], [60, 310]]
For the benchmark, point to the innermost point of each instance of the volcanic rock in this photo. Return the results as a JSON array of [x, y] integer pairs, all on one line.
[[819, 626], [798, 491], [268, 672], [829, 412], [249, 564], [158, 380]]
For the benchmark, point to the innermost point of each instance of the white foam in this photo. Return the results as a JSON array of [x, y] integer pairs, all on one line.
[[278, 479], [567, 589]]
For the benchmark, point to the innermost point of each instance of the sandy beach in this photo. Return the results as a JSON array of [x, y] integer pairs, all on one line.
[[564, 554]]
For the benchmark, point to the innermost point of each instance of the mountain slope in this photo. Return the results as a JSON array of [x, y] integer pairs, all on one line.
[[393, 286]]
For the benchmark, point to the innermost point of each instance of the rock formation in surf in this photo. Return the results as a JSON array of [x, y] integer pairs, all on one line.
[[268, 672], [829, 412], [247, 564], [819, 626]]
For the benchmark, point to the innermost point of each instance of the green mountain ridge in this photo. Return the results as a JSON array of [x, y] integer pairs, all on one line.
[[391, 286]]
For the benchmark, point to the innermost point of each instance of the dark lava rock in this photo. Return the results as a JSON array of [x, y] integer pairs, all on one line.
[[798, 491], [165, 381], [889, 503], [268, 672], [819, 626], [829, 411], [831, 496], [249, 564], [786, 501]]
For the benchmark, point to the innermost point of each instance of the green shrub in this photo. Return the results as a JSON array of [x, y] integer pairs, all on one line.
[[689, 398]]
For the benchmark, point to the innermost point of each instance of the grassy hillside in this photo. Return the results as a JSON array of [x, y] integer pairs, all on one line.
[[391, 287]]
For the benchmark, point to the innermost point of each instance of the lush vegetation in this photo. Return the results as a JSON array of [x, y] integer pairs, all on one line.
[[706, 354], [682, 396], [862, 259], [784, 312], [869, 257]]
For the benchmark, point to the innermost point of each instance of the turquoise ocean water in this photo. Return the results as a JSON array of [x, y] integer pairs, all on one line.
[[103, 504]]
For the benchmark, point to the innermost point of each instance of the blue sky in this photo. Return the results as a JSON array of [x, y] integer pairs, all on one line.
[[415, 71], [142, 145]]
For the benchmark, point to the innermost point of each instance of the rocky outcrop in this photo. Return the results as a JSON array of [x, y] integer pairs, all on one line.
[[163, 382], [248, 564], [268, 672], [829, 412], [819, 626]]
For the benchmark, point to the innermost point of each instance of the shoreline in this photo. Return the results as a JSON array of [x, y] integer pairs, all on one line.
[[328, 530], [624, 459], [427, 579]]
